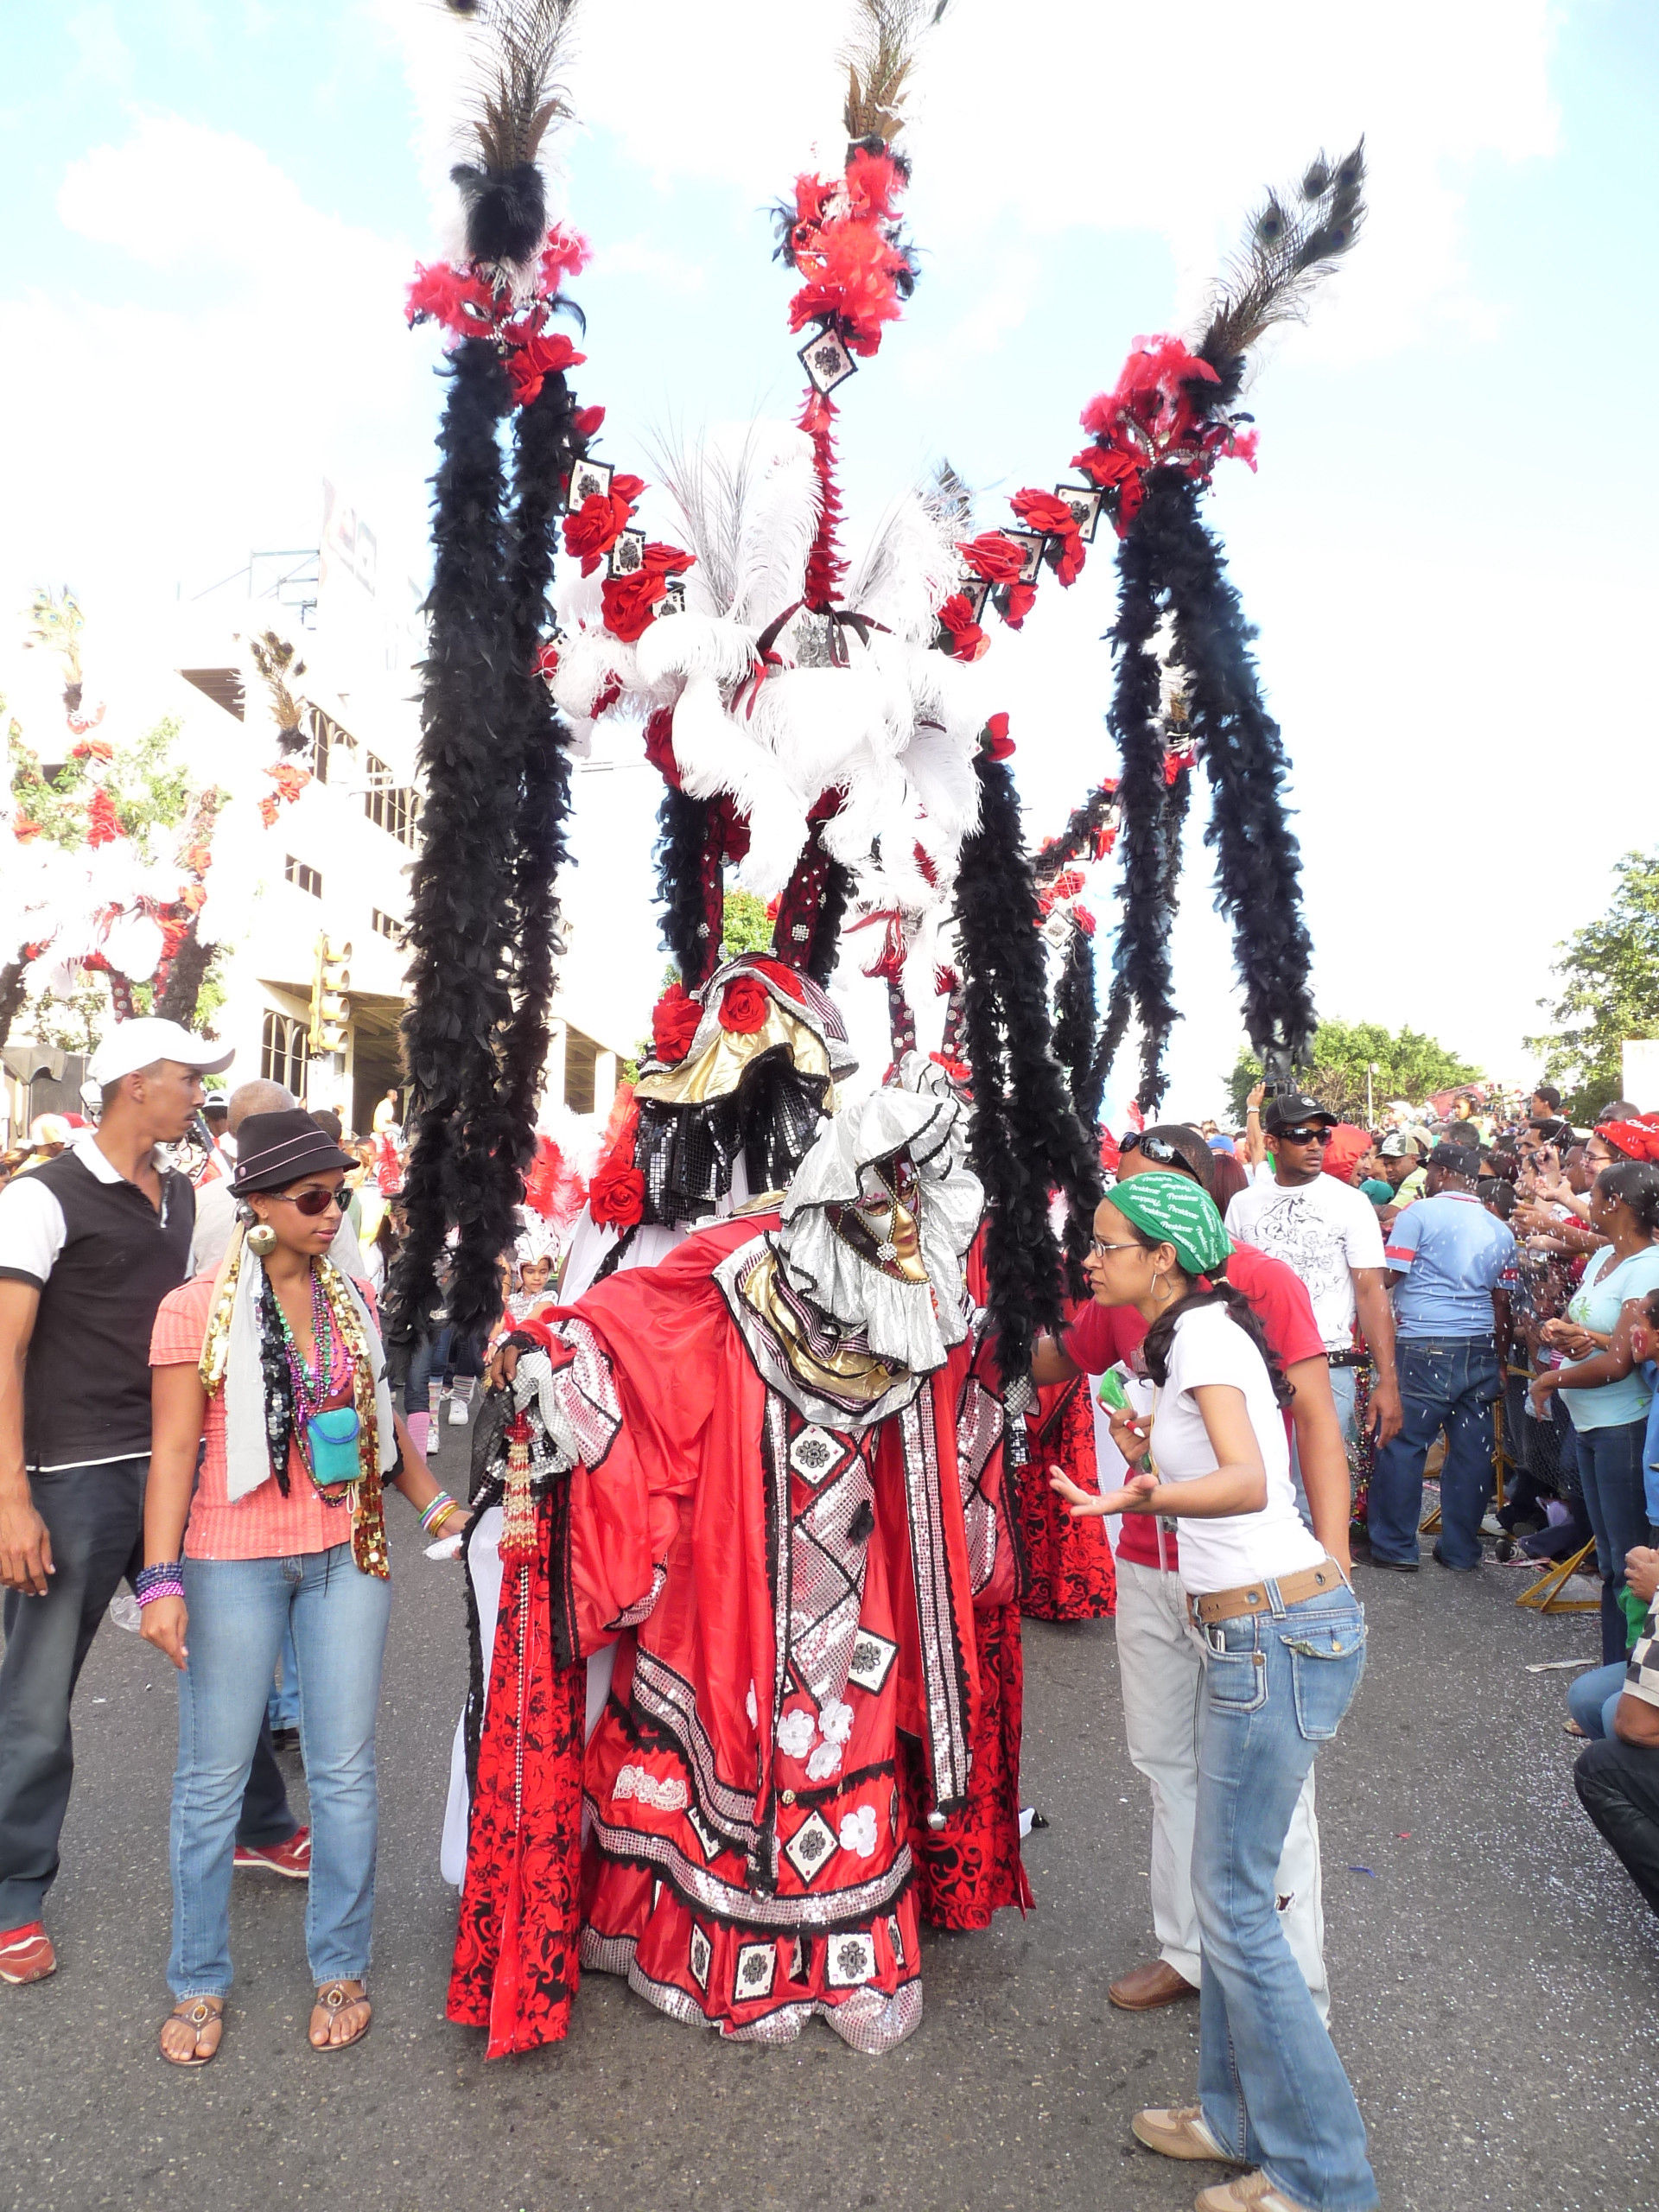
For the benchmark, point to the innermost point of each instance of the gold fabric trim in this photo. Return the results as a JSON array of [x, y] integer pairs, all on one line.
[[859, 1375], [717, 1070]]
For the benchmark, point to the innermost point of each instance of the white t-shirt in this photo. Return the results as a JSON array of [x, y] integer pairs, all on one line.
[[1322, 1230], [1225, 1553]]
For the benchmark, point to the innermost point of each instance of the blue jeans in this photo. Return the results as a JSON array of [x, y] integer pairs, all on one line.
[[1592, 1697], [1616, 1498], [282, 1701], [1271, 2086], [1450, 1384], [239, 1609]]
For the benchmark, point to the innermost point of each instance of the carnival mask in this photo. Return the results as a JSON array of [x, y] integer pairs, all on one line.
[[881, 1225]]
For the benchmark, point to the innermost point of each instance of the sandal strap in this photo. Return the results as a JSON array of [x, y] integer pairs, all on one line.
[[197, 2012], [334, 1997]]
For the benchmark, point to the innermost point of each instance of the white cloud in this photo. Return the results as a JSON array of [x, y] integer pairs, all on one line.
[[179, 418], [668, 270]]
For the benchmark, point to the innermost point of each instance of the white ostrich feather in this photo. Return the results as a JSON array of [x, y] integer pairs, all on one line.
[[777, 523], [908, 568], [691, 644]]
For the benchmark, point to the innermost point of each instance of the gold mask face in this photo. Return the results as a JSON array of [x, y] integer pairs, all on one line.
[[881, 1226]]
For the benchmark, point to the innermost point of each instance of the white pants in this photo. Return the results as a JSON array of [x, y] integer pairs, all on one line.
[[1161, 1663]]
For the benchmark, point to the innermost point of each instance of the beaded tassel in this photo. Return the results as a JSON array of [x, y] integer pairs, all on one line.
[[517, 1507]]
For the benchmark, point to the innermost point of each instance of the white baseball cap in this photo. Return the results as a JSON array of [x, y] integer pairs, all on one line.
[[140, 1043]]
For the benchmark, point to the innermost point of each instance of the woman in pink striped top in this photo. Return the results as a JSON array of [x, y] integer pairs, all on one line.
[[273, 1431]]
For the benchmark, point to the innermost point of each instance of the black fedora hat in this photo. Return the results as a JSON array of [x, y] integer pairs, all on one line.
[[273, 1150]]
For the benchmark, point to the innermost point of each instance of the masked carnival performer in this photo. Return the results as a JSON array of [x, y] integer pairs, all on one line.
[[769, 1470]]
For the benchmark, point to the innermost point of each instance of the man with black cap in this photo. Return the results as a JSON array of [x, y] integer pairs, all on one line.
[[1448, 1259], [1326, 1232]]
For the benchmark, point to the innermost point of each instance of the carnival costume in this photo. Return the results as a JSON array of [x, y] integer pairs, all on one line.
[[771, 1470]]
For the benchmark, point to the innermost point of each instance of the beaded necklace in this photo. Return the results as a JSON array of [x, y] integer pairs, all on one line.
[[315, 1384]]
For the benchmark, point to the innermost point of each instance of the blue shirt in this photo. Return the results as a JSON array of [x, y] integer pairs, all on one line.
[[1595, 1305], [1650, 1448], [1453, 1254]]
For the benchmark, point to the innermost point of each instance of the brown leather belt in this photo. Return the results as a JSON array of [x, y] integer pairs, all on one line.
[[1232, 1604]]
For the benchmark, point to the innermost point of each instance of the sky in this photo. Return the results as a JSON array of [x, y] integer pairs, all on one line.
[[1448, 548]]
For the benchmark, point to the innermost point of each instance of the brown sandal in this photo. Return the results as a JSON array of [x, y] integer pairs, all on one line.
[[335, 1998], [199, 2014]]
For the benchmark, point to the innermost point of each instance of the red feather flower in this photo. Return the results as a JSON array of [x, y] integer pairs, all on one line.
[[103, 823], [1001, 745], [566, 253], [674, 1020], [460, 299]]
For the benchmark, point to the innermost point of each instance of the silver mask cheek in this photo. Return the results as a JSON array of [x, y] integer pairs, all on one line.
[[883, 1227]]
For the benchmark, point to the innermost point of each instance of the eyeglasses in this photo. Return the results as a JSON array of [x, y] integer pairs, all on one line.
[[1320, 1135], [1098, 1251], [312, 1203]]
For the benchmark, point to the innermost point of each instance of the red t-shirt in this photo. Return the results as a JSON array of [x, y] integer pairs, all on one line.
[[1102, 1335]]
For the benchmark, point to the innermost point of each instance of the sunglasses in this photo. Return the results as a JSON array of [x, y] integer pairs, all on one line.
[[1158, 1148], [1320, 1135], [312, 1203]]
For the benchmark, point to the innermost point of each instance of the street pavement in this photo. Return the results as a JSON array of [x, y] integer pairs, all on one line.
[[1494, 1981]]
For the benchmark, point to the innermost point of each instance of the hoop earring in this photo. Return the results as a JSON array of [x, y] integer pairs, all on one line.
[[261, 1239], [1161, 1289]]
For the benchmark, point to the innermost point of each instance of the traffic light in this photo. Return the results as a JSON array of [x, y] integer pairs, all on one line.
[[331, 1006]]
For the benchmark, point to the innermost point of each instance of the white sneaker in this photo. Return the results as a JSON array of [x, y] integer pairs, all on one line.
[[1491, 1526], [457, 1413], [433, 1437]]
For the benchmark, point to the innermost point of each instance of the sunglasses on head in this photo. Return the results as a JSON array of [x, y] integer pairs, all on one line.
[[1320, 1135], [1158, 1148], [313, 1202]]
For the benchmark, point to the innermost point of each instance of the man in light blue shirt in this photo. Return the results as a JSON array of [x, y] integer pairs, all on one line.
[[1447, 1259]]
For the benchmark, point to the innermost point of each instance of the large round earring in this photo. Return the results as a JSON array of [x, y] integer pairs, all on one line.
[[262, 1240], [1160, 1288]]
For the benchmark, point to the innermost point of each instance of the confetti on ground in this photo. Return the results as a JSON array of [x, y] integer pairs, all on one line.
[[1371, 1870]]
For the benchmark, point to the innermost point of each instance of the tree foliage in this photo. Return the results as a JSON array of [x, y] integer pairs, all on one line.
[[1408, 1064], [1609, 973]]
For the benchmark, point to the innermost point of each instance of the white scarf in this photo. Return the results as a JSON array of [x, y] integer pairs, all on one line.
[[247, 1451]]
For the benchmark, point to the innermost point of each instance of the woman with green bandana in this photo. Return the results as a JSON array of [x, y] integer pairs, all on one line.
[[1284, 1642]]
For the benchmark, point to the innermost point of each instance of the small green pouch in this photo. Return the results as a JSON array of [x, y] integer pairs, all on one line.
[[333, 1434]]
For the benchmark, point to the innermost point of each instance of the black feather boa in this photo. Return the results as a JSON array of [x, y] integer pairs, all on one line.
[[496, 1137], [1074, 1018], [1025, 1138], [684, 829], [1136, 721], [1106, 1048], [462, 885], [826, 938], [1258, 864]]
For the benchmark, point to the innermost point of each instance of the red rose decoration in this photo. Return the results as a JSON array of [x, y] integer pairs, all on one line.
[[595, 527], [616, 1197], [1015, 601], [744, 1006], [994, 556], [629, 603], [585, 421], [533, 359], [999, 744], [674, 1020], [965, 641]]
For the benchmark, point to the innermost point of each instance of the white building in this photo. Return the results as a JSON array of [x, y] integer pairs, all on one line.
[[330, 877]]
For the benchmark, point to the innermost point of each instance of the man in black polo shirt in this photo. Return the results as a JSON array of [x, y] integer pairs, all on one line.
[[89, 1244]]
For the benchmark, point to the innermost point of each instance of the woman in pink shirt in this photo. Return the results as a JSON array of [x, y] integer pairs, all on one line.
[[273, 1434]]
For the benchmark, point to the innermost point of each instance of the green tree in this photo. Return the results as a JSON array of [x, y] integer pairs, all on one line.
[[1408, 1066], [1609, 974]]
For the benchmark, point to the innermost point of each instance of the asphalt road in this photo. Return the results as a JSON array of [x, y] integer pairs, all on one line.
[[1495, 1977]]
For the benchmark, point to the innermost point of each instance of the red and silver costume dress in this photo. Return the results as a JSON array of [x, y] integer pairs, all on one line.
[[770, 1471]]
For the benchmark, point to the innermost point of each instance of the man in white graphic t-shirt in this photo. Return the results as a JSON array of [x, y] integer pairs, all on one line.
[[1326, 1232]]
